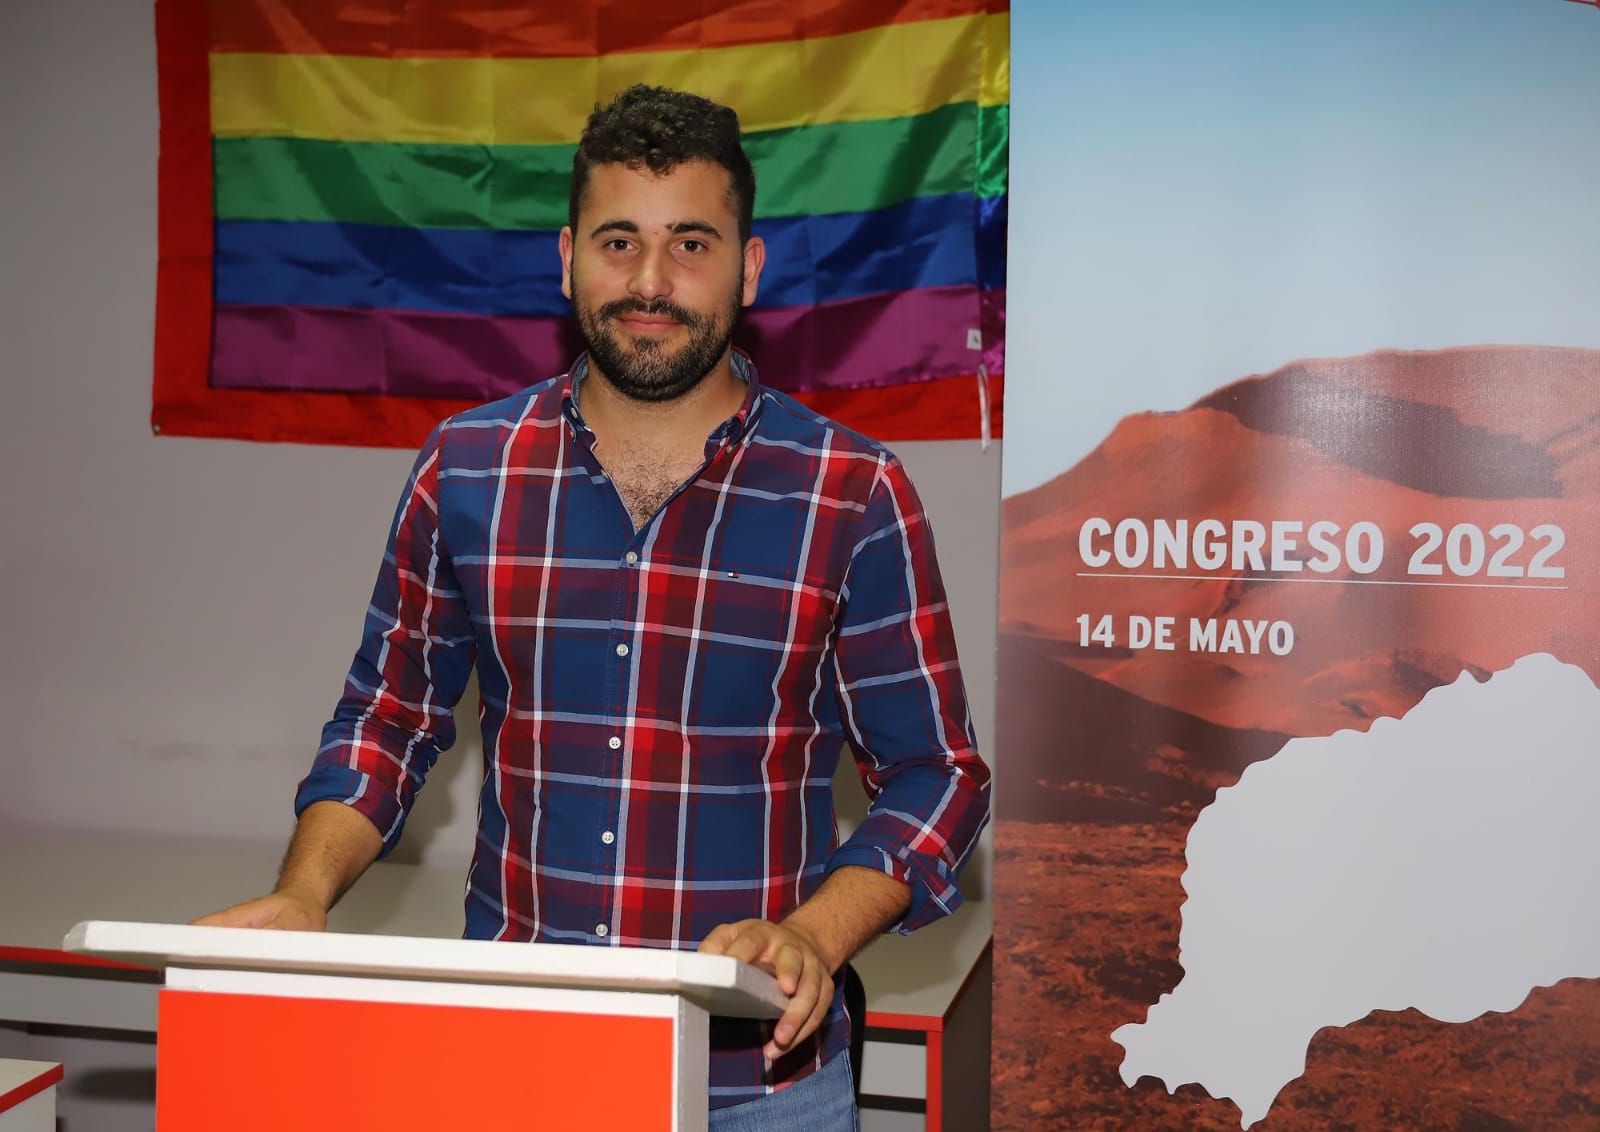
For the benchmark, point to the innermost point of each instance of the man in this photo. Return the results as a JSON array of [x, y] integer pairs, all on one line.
[[684, 592]]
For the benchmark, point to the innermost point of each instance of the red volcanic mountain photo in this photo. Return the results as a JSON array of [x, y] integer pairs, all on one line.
[[1328, 542]]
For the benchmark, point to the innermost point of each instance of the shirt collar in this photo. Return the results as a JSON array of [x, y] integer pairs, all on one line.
[[733, 429]]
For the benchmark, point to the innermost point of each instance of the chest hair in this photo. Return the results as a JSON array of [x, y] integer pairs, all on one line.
[[646, 476]]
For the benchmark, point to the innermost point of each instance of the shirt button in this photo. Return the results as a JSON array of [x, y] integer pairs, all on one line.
[[615, 742], [608, 837], [632, 559], [601, 930], [622, 650]]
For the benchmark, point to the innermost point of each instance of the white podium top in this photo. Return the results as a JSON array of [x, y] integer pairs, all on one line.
[[721, 985]]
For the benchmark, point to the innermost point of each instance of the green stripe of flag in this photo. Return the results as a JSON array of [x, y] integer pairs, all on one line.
[[807, 170], [994, 151]]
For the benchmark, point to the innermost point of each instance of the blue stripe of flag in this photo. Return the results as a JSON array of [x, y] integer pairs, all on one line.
[[926, 242]]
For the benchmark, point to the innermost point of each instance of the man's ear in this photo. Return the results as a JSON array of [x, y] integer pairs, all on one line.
[[755, 258], [565, 243]]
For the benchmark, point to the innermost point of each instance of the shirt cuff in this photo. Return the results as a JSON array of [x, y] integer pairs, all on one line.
[[934, 894], [358, 791]]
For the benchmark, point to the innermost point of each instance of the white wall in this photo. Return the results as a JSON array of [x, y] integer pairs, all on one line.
[[181, 612]]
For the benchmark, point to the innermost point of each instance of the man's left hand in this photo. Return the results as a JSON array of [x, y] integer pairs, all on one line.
[[791, 957]]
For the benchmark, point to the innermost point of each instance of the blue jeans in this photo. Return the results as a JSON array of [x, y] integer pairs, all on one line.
[[823, 1102]]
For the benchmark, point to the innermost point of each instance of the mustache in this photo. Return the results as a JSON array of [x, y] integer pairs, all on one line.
[[661, 308]]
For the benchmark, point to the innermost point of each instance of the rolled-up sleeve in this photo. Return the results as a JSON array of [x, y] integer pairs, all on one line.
[[416, 653], [905, 708]]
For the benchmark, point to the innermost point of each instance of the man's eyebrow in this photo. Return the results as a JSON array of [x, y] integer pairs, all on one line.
[[702, 227], [615, 226], [677, 228]]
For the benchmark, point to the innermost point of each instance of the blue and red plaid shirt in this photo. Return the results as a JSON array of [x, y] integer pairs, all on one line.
[[663, 709]]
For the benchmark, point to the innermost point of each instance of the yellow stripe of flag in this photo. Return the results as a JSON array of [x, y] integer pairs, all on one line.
[[996, 88], [888, 72]]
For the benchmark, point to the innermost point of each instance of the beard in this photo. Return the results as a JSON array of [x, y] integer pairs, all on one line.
[[651, 370]]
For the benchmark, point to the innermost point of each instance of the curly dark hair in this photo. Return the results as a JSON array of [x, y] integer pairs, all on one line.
[[654, 128]]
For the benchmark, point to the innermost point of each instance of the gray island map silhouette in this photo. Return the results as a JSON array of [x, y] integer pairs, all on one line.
[[1445, 861]]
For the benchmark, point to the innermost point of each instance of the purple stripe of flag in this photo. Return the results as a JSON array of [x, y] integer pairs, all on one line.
[[876, 340]]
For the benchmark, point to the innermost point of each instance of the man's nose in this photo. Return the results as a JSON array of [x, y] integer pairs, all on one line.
[[652, 278]]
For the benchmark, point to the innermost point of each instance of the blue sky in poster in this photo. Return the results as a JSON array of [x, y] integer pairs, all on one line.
[[1205, 190]]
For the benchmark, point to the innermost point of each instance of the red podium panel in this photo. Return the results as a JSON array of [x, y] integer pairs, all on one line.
[[223, 1061]]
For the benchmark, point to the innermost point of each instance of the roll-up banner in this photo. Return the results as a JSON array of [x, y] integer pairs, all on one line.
[[1298, 719]]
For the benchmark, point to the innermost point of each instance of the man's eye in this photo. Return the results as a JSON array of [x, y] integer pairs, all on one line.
[[693, 246], [617, 245]]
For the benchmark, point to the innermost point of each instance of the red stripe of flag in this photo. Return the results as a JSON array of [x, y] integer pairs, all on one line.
[[551, 29]]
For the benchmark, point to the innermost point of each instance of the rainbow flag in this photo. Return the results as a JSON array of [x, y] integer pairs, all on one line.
[[359, 202]]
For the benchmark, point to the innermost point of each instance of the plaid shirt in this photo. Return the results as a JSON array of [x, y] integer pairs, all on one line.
[[663, 709]]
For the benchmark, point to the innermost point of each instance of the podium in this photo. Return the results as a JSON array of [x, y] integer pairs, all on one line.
[[260, 1030]]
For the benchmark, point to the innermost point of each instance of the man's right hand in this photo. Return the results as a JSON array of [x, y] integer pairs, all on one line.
[[332, 846], [282, 911]]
